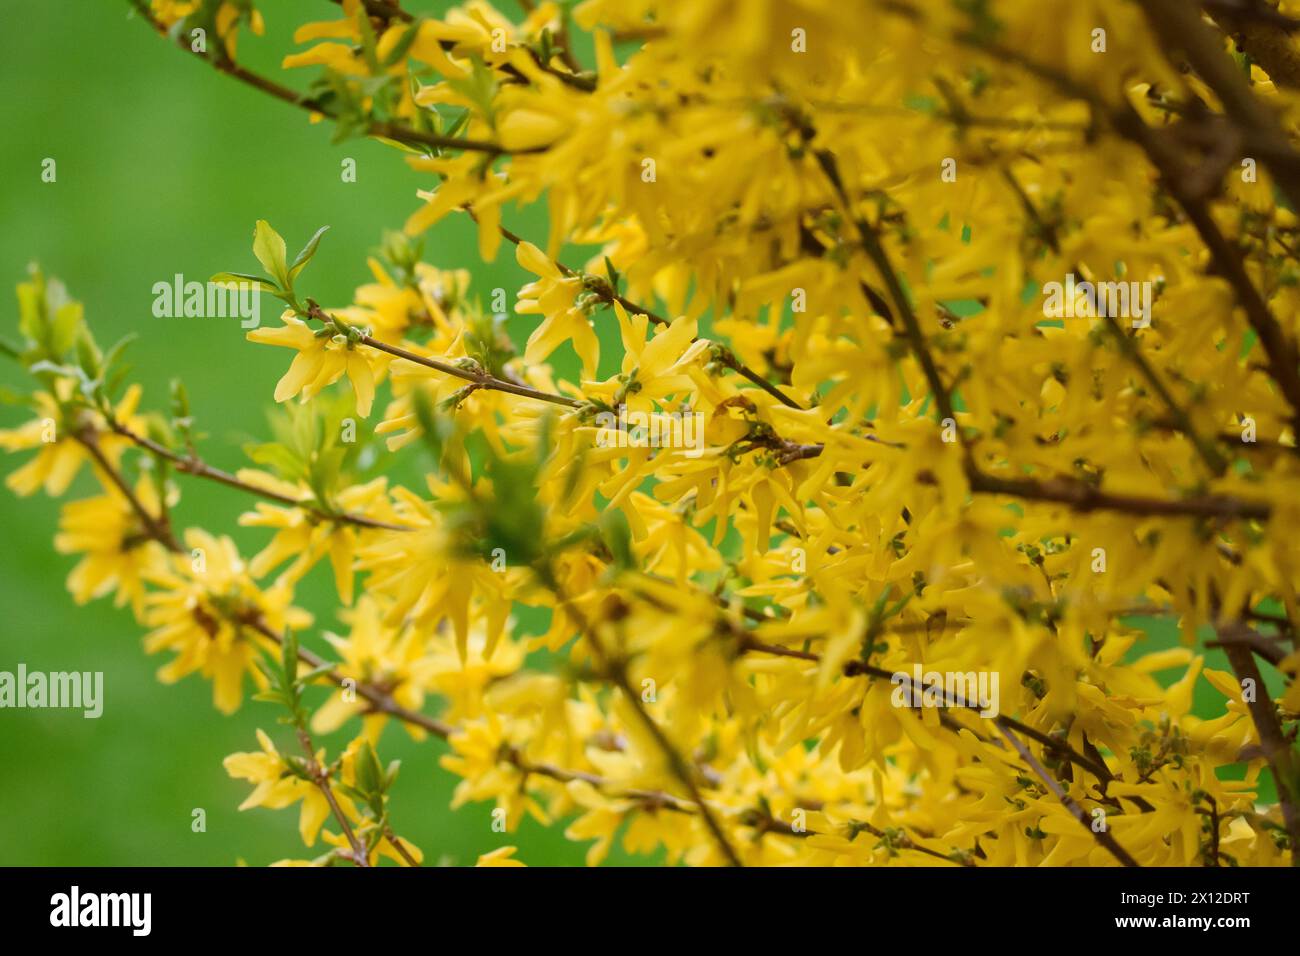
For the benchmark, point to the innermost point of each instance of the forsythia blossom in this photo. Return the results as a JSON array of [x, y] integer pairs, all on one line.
[[957, 568]]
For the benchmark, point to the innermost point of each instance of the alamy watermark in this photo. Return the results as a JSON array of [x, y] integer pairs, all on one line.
[[208, 300], [976, 690], [77, 690], [651, 430], [1091, 300], [75, 908]]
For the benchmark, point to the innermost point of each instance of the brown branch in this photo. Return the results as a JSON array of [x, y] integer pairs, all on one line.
[[1083, 497], [1265, 41], [382, 702], [1213, 814], [1103, 837], [1262, 134], [729, 359], [1265, 647], [1277, 748], [857, 668], [156, 527], [1180, 419], [1283, 363], [1180, 28], [398, 844], [1252, 11], [875, 249], [609, 295], [475, 375], [1080, 496], [321, 778], [190, 464], [383, 10], [379, 128], [614, 671], [1004, 723]]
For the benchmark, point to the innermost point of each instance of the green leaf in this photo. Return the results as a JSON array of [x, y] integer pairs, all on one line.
[[31, 308], [297, 766], [457, 125], [480, 88], [754, 752], [275, 456], [352, 792], [898, 607], [115, 351], [289, 657], [324, 471], [304, 256], [369, 773], [69, 371], [268, 246], [617, 535], [182, 421], [243, 278], [67, 324], [400, 49], [574, 476], [878, 609], [89, 357], [367, 39], [115, 379], [316, 672], [435, 432]]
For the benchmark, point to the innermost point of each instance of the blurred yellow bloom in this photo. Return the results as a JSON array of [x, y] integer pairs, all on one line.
[[118, 550], [501, 856], [207, 611], [61, 455]]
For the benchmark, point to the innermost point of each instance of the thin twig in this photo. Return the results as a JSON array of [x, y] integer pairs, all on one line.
[[190, 464], [385, 129], [1103, 837], [475, 374], [608, 294], [615, 672], [321, 778], [155, 527], [1277, 748]]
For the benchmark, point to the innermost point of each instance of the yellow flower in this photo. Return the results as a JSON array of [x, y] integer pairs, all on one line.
[[118, 551], [554, 296], [305, 536], [275, 786], [910, 463], [321, 361], [379, 654], [425, 580], [207, 611], [501, 856], [169, 12], [61, 455]]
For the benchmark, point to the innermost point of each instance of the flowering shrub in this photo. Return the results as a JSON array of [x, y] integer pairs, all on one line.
[[957, 344]]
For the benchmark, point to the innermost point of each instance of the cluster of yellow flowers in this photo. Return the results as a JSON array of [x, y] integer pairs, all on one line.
[[827, 232]]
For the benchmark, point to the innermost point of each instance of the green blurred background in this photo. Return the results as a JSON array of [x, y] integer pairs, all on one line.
[[163, 165]]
